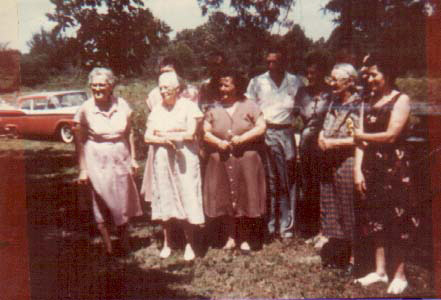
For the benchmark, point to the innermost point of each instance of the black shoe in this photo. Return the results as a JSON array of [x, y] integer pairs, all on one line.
[[348, 271]]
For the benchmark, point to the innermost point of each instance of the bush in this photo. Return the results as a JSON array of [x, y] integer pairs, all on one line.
[[135, 93]]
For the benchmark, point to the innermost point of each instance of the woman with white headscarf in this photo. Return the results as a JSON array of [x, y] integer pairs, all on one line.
[[176, 179]]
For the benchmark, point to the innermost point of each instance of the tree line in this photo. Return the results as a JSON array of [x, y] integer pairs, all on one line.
[[125, 36]]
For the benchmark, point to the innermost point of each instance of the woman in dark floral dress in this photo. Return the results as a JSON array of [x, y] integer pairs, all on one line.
[[382, 173]]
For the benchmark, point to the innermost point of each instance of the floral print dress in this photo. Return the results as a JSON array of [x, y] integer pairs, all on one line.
[[389, 207]]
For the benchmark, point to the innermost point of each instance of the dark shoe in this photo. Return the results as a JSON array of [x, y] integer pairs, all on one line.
[[348, 271]]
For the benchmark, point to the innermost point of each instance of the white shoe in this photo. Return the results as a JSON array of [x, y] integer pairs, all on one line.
[[314, 239], [372, 278], [230, 244], [189, 253], [245, 246], [397, 286], [165, 252], [321, 242]]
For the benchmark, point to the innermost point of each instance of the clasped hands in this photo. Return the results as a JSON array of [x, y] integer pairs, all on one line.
[[225, 145], [168, 139]]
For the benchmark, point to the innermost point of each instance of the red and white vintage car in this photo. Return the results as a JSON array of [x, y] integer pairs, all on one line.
[[44, 114]]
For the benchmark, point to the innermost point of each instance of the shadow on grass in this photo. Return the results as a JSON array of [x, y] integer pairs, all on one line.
[[64, 260]]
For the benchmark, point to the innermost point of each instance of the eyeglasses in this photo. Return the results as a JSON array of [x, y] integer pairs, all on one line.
[[331, 80], [99, 85]]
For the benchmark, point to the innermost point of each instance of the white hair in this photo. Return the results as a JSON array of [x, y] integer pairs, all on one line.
[[347, 68], [169, 78], [110, 77]]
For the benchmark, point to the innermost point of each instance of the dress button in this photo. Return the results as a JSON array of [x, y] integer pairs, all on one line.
[[230, 167]]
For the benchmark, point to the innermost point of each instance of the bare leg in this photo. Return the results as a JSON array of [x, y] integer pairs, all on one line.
[[380, 268], [380, 260], [189, 236], [106, 237], [399, 283], [124, 238], [244, 233], [230, 228]]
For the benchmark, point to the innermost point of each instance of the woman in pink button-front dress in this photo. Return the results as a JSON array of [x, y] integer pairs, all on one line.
[[104, 141]]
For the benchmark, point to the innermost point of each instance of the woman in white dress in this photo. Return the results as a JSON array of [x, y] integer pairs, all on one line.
[[106, 152], [176, 179]]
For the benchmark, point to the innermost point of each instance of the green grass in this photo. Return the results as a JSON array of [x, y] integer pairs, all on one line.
[[66, 260]]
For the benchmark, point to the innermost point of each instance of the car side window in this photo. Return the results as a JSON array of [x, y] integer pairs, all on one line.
[[40, 104], [53, 103], [26, 104], [74, 99]]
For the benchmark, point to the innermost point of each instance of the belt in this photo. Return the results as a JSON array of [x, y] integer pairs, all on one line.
[[278, 126]]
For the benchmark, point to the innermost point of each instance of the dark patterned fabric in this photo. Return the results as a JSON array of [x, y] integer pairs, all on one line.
[[337, 182], [337, 202], [389, 207]]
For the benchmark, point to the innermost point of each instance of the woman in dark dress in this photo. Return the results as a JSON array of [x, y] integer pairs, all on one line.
[[382, 173], [234, 179]]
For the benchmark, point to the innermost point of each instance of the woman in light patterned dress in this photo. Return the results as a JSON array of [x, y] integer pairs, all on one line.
[[105, 147], [176, 178]]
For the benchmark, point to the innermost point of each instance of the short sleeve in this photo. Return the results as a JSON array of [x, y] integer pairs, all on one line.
[[153, 98], [254, 110], [150, 124], [125, 107], [80, 115], [209, 115], [251, 91], [193, 110]]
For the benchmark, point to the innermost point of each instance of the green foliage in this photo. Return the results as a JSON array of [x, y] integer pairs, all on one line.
[[396, 28], [135, 92], [243, 46], [253, 13], [9, 69], [117, 34], [33, 69]]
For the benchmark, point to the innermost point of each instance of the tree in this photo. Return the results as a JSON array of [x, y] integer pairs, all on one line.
[[256, 13], [9, 69], [118, 34], [242, 45], [395, 27]]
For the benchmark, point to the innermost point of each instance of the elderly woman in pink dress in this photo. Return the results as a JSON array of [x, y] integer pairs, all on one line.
[[176, 180], [106, 153]]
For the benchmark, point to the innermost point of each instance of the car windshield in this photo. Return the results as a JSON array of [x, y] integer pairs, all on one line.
[[73, 99]]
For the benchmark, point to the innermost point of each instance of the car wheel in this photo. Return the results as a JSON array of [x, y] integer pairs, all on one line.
[[66, 134]]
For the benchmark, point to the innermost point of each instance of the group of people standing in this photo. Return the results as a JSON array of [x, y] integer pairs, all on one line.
[[227, 151]]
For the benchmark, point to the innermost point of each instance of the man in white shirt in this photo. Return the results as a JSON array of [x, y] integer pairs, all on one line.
[[274, 92]]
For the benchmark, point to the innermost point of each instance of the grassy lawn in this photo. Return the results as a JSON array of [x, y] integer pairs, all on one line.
[[66, 262]]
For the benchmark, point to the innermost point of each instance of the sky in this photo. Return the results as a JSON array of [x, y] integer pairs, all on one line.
[[19, 19]]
